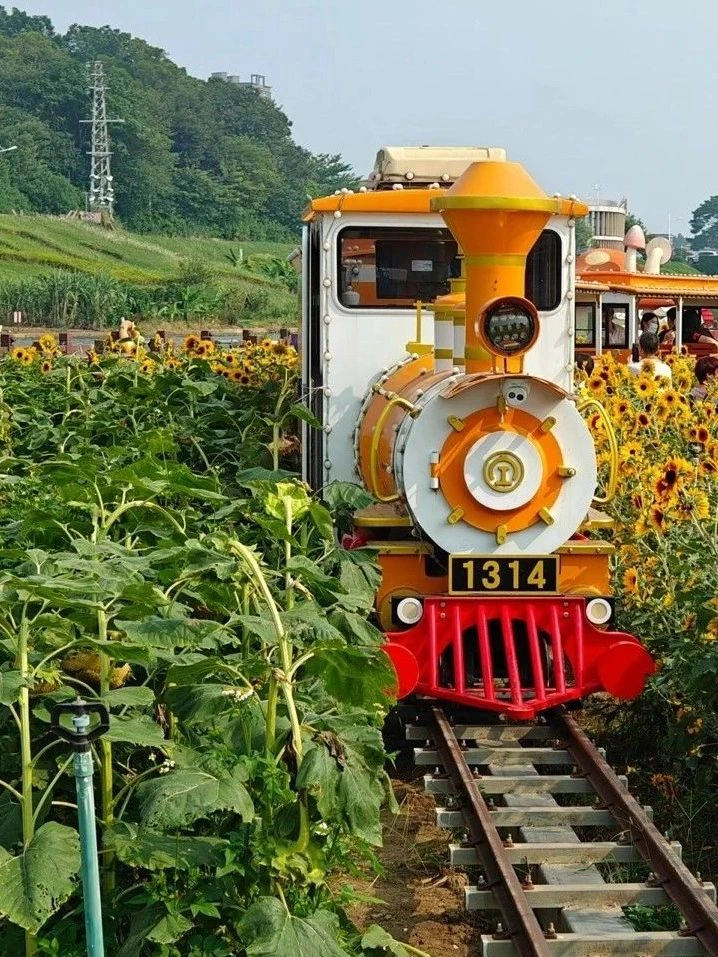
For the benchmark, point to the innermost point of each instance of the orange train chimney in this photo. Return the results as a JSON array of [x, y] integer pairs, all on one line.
[[496, 212]]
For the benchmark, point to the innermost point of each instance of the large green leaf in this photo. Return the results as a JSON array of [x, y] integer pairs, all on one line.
[[131, 696], [343, 768], [142, 847], [355, 628], [10, 684], [183, 796], [378, 943], [140, 730], [354, 676], [170, 928], [269, 930], [176, 633], [35, 883], [360, 578], [203, 703]]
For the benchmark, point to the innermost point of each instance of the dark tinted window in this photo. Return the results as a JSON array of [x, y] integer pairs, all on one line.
[[543, 271], [380, 268]]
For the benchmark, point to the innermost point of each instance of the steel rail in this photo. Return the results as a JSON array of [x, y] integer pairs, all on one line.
[[523, 928], [670, 872]]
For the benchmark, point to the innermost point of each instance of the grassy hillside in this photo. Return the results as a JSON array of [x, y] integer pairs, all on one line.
[[33, 244], [61, 273]]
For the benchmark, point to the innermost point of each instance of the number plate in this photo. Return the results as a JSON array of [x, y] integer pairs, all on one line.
[[477, 574]]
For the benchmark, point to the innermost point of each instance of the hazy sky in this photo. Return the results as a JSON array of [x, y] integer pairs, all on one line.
[[609, 95]]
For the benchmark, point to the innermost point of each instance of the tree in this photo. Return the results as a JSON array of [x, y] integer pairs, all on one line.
[[704, 224], [584, 234], [227, 146]]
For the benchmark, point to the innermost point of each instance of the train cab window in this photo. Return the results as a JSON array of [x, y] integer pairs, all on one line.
[[585, 324], [393, 268], [543, 271], [615, 326]]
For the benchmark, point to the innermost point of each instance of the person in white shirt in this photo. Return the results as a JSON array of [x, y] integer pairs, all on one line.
[[648, 352]]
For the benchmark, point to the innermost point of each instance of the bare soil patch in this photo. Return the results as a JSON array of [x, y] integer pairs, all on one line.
[[420, 898]]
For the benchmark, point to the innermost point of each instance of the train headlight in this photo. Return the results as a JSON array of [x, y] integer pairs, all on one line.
[[598, 611], [409, 611], [509, 325]]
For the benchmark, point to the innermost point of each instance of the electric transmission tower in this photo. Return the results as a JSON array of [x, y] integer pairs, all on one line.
[[102, 194]]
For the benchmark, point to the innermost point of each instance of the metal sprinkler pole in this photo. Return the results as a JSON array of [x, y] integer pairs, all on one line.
[[80, 736]]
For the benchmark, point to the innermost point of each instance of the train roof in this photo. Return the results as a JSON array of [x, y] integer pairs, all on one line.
[[661, 286], [406, 201]]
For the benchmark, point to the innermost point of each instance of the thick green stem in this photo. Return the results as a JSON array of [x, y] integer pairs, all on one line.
[[105, 749], [271, 730], [285, 652], [275, 446], [28, 823]]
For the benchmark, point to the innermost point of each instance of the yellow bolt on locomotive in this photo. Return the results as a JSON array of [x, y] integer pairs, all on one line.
[[440, 363]]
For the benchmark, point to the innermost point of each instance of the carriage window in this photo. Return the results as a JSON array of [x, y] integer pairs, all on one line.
[[543, 271], [393, 268], [585, 324], [615, 326]]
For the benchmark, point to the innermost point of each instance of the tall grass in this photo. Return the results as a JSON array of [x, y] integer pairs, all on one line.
[[64, 299]]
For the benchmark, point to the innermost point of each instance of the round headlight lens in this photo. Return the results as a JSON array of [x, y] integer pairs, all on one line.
[[509, 326]]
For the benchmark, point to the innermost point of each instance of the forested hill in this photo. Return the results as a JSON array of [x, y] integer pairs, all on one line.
[[192, 155]]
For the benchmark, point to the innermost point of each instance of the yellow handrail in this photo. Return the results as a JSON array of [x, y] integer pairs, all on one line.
[[393, 400], [612, 483]]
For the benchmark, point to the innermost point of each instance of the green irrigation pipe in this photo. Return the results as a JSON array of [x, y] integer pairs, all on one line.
[[80, 737]]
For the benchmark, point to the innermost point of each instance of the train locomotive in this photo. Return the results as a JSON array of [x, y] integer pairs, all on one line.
[[438, 324]]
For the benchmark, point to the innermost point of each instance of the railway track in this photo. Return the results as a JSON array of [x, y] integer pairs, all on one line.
[[555, 837]]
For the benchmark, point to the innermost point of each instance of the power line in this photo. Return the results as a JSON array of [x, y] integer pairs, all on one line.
[[101, 193]]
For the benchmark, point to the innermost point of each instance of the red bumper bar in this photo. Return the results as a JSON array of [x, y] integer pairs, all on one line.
[[516, 655]]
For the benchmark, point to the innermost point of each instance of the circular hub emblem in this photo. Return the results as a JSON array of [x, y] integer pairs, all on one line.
[[503, 471]]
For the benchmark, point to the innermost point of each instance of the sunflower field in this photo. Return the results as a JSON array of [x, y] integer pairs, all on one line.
[[666, 569], [159, 556]]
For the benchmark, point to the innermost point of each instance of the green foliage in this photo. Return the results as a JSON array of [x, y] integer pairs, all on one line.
[[39, 879], [191, 156], [584, 235], [162, 568]]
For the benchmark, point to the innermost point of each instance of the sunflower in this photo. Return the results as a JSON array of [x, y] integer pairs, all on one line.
[[18, 354], [657, 519], [642, 421], [670, 477], [230, 359], [696, 505], [596, 385], [244, 379], [171, 362], [235, 375], [46, 366], [29, 357], [630, 581], [630, 451], [706, 467], [200, 349], [645, 386], [208, 344], [670, 397], [621, 408], [629, 554], [190, 343], [279, 348], [148, 366], [698, 433]]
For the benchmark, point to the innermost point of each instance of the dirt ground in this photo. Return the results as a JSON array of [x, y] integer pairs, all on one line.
[[420, 898]]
